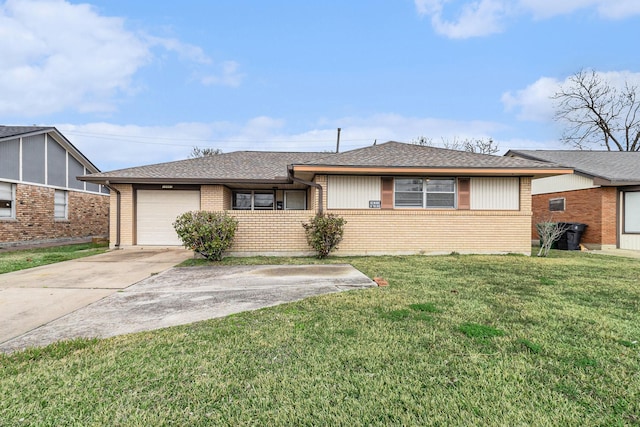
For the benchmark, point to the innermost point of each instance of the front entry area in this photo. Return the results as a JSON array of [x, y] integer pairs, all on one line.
[[156, 210]]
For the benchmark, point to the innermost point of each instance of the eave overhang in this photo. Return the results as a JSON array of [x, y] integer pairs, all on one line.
[[169, 180], [434, 171]]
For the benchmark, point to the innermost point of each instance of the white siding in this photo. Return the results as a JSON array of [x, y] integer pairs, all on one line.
[[495, 193], [630, 241], [555, 184], [352, 192]]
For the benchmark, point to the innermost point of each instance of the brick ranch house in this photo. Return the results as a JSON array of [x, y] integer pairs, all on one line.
[[396, 198], [603, 192], [40, 198]]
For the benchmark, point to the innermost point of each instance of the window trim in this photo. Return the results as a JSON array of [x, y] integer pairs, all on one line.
[[12, 214], [425, 192], [252, 193], [65, 193], [624, 213], [298, 192], [556, 199]]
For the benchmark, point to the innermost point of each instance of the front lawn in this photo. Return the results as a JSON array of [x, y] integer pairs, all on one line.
[[454, 340], [27, 258]]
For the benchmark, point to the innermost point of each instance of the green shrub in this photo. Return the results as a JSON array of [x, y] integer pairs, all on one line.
[[207, 233], [324, 232]]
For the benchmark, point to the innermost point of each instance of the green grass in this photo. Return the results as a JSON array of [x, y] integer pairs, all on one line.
[[566, 354], [28, 258]]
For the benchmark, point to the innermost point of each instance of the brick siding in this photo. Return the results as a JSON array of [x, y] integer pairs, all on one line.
[[373, 231], [595, 207], [88, 216]]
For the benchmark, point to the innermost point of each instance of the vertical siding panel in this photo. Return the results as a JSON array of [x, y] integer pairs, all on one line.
[[10, 159], [495, 193], [33, 159], [352, 192]]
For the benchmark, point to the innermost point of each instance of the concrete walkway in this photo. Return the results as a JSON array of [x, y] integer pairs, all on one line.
[[186, 295], [36, 296]]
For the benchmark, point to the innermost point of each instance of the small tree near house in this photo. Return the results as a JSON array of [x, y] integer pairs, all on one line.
[[208, 233], [324, 232], [549, 233]]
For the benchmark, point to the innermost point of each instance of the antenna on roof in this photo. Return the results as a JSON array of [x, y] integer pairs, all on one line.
[[338, 141]]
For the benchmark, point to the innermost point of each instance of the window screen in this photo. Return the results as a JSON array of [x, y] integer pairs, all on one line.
[[295, 200], [60, 205], [632, 212], [556, 205], [7, 200]]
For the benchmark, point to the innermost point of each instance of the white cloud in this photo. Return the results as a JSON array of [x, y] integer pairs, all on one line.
[[475, 19], [227, 76], [56, 56], [534, 102], [609, 9], [484, 17]]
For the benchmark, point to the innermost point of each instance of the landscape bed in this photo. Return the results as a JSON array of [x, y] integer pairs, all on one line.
[[453, 340]]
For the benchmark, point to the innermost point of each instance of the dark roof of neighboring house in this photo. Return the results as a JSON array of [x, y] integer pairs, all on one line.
[[612, 167], [13, 131], [261, 166]]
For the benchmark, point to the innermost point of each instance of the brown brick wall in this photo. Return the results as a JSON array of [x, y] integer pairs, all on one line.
[[88, 215], [595, 207]]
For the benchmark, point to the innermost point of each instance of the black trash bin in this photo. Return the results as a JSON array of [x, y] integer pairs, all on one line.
[[570, 239]]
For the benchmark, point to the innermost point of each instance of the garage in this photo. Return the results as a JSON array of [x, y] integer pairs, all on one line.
[[156, 210]]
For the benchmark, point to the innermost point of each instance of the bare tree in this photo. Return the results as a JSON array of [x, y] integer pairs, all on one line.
[[598, 113], [204, 152], [480, 146], [549, 233]]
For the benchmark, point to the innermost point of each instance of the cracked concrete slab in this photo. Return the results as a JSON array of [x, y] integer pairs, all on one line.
[[185, 295]]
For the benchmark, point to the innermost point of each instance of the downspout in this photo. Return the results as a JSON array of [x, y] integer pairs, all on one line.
[[311, 184], [106, 184]]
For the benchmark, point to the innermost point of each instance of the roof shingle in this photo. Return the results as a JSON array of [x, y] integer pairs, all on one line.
[[268, 166], [613, 166]]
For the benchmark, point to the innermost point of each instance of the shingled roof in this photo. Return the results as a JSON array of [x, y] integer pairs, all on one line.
[[14, 131], [271, 167], [397, 155], [237, 166], [613, 167]]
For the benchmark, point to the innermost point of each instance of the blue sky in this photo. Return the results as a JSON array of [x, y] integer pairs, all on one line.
[[130, 84]]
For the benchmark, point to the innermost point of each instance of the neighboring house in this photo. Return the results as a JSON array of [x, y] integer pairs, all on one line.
[[603, 192], [396, 199], [40, 198]]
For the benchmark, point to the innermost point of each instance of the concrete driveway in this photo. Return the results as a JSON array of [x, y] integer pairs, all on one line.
[[36, 296], [185, 295]]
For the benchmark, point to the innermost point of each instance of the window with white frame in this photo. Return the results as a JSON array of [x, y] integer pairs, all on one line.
[[7, 200], [295, 200], [425, 192], [253, 200], [632, 212], [61, 204]]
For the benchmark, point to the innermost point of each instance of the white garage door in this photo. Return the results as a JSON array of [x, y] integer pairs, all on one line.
[[156, 212]]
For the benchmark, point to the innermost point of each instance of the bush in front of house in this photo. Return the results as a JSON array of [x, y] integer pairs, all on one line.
[[324, 232], [208, 233]]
